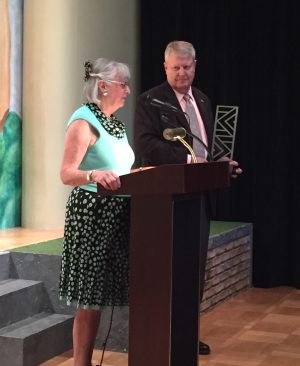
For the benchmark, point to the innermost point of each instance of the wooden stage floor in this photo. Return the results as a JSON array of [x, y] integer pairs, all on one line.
[[18, 237], [258, 327]]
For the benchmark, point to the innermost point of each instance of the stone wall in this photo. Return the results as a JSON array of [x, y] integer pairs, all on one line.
[[229, 266]]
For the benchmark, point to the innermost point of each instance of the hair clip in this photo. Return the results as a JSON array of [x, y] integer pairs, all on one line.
[[88, 69]]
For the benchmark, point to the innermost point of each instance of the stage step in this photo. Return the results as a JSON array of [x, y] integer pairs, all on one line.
[[36, 339], [4, 265], [29, 335], [19, 299]]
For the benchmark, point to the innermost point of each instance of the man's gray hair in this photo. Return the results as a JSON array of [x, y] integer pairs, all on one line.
[[180, 48]]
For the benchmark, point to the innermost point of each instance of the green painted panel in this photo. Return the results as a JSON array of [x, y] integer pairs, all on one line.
[[54, 247], [10, 172]]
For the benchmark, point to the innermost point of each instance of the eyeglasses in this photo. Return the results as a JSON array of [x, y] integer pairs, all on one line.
[[123, 84]]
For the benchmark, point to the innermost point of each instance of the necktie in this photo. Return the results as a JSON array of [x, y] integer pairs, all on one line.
[[194, 126]]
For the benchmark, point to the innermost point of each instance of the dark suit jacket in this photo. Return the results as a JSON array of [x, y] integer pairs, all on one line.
[[153, 149], [150, 122]]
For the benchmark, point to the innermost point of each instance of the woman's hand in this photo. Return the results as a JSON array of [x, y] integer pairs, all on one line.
[[107, 178]]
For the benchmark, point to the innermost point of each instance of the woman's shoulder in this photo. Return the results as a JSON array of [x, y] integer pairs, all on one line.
[[81, 113], [84, 113]]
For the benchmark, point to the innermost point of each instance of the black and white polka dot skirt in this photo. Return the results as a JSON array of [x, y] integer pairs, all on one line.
[[94, 270]]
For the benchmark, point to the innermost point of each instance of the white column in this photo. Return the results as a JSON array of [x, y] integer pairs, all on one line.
[[59, 35]]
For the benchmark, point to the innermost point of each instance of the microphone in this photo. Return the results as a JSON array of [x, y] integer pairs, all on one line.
[[169, 107], [160, 104], [172, 134]]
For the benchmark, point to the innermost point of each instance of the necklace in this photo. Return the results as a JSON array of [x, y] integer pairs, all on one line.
[[111, 124]]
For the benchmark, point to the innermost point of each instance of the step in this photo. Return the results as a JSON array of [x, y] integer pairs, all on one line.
[[20, 299], [4, 265], [36, 339]]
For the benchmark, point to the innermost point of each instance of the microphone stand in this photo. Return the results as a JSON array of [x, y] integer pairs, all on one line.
[[164, 106], [194, 158], [179, 134], [189, 133], [199, 140]]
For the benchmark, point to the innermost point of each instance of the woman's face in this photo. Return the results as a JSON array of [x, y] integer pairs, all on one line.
[[117, 92]]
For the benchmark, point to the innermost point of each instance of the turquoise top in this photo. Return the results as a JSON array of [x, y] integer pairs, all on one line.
[[108, 153]]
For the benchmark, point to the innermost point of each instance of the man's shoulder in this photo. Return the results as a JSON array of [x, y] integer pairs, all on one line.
[[157, 90], [198, 94]]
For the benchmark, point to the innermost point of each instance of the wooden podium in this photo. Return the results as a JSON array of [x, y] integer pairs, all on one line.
[[164, 260]]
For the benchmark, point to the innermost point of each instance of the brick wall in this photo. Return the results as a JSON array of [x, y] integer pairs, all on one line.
[[229, 266]]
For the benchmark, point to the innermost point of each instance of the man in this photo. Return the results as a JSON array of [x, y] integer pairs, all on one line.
[[151, 121]]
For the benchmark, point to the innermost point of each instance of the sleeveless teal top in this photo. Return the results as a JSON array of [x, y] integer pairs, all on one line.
[[111, 150]]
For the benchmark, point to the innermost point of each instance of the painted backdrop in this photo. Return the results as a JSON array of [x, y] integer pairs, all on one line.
[[11, 17]]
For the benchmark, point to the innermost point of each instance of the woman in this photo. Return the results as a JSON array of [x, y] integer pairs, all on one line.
[[94, 269]]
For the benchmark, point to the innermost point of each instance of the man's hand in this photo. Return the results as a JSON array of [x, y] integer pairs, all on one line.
[[235, 169]]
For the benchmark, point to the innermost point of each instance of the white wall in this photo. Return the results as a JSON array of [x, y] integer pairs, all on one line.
[[59, 35]]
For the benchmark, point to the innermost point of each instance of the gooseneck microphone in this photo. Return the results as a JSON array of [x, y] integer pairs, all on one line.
[[172, 134], [202, 143], [169, 107], [160, 104]]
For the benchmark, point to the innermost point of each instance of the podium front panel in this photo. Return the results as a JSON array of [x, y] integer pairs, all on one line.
[[164, 280]]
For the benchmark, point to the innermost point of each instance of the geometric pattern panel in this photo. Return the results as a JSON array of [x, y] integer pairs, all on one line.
[[224, 132]]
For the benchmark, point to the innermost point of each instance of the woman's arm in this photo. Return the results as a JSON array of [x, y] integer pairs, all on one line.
[[79, 138]]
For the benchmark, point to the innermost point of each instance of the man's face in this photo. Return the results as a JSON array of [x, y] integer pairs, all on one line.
[[180, 72]]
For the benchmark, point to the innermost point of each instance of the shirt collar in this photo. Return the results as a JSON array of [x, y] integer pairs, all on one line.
[[180, 95]]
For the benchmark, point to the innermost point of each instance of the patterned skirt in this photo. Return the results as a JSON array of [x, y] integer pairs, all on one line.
[[94, 269]]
